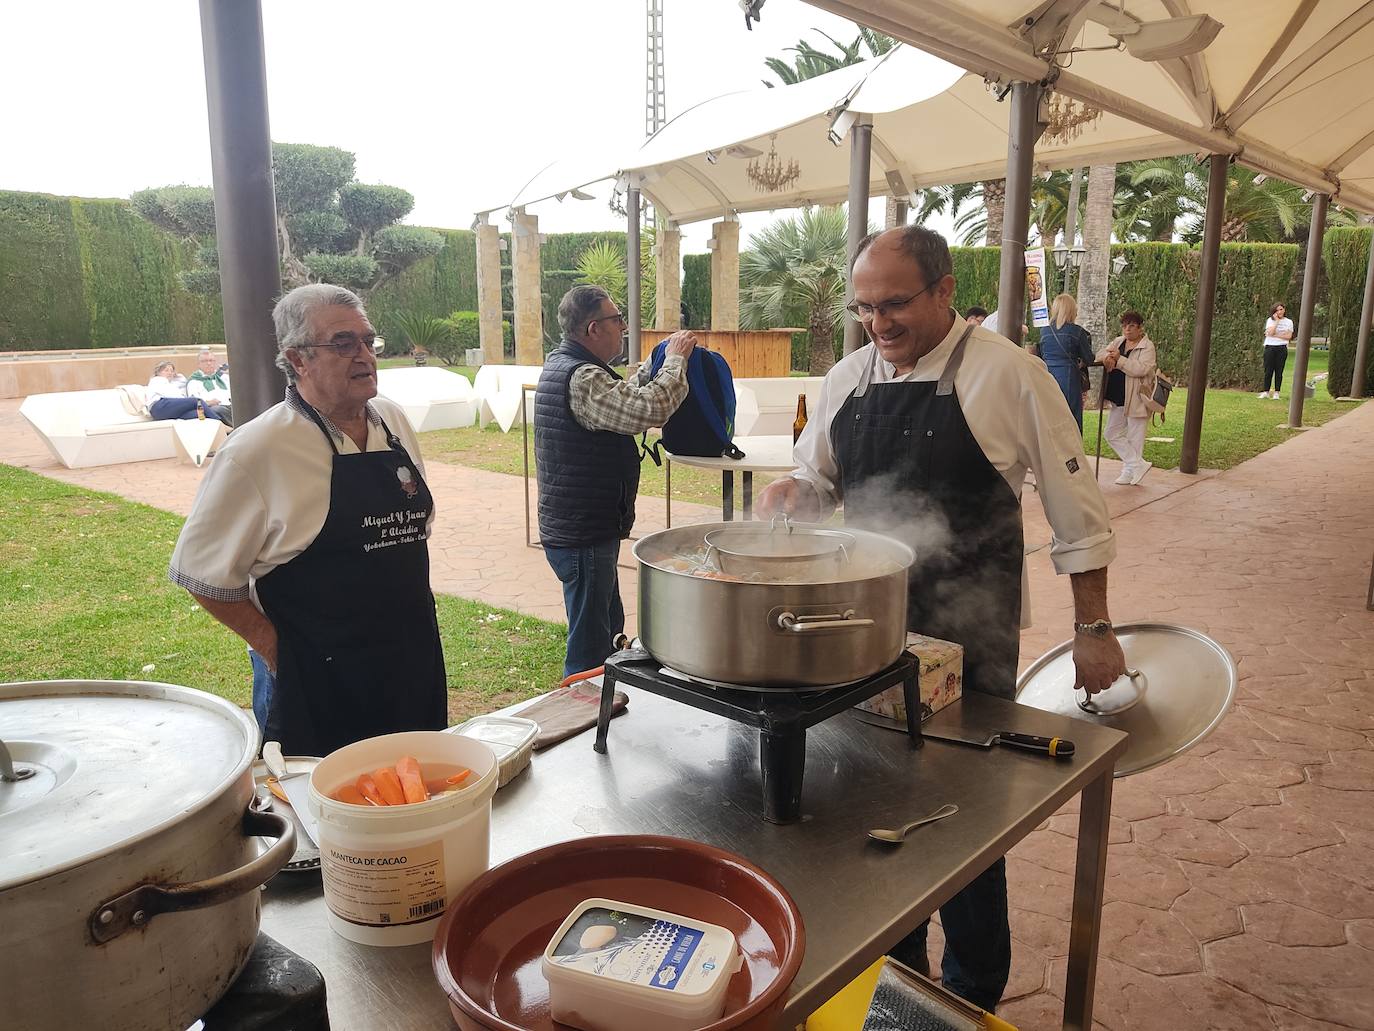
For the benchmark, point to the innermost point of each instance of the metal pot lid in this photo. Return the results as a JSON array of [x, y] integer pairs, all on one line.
[[1184, 685], [112, 762]]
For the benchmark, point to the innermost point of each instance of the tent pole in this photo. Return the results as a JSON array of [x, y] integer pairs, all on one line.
[[1298, 383], [1206, 304], [245, 200], [860, 162], [1362, 341], [632, 270], [1023, 130]]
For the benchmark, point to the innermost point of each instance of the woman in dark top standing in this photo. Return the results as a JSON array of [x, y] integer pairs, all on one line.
[[1066, 348]]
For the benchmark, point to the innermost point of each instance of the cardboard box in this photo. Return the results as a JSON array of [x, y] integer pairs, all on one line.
[[941, 680]]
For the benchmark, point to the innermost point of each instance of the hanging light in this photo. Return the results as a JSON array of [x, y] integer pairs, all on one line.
[[1066, 118], [772, 175]]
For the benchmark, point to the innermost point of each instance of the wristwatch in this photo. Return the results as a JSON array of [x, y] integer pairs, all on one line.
[[1097, 628]]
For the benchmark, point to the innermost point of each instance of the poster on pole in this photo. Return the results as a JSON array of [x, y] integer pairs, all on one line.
[[1035, 286]]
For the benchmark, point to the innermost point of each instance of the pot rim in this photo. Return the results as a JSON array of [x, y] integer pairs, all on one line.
[[187, 695], [908, 556]]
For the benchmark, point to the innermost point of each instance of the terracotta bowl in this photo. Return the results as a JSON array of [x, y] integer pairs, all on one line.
[[488, 947]]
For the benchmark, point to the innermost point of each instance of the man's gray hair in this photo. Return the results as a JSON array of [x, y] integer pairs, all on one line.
[[579, 306], [291, 317], [925, 247]]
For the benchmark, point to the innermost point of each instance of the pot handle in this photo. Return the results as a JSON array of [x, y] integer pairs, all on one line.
[[815, 624], [135, 909]]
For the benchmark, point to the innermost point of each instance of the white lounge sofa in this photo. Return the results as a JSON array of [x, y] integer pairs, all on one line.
[[432, 399], [498, 389], [84, 428], [767, 406]]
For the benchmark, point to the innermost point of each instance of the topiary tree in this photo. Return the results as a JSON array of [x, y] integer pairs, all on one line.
[[329, 228]]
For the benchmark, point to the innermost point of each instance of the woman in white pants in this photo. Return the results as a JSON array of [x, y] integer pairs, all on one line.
[[1130, 364]]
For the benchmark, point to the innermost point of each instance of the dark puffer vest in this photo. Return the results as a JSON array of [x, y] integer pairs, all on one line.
[[588, 479]]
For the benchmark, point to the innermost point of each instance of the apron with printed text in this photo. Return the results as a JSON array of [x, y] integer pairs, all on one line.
[[358, 651], [910, 467]]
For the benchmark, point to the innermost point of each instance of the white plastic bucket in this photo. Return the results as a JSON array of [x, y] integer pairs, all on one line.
[[390, 871]]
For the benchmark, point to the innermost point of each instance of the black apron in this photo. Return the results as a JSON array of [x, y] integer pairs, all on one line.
[[911, 468], [358, 650]]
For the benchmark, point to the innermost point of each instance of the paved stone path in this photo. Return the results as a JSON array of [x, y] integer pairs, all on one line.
[[1240, 881]]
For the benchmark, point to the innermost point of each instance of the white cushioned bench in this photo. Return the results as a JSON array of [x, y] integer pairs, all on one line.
[[767, 407], [432, 399], [84, 428]]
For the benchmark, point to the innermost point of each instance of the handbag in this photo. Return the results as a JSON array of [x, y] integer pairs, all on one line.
[[1157, 399], [1085, 380]]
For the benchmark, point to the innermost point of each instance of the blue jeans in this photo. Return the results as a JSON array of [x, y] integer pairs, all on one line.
[[1071, 386], [264, 683], [977, 960], [182, 408], [591, 598]]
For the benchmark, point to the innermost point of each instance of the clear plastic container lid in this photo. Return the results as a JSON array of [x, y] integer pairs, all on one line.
[[643, 951]]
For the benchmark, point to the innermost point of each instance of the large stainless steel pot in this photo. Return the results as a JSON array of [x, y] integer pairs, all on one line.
[[816, 632], [128, 896]]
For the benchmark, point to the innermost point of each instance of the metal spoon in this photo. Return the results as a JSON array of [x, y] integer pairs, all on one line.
[[896, 837]]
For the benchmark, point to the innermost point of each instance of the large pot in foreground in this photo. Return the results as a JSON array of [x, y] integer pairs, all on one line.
[[818, 632], [128, 896]]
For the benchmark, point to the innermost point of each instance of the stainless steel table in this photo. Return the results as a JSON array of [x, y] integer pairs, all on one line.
[[675, 770]]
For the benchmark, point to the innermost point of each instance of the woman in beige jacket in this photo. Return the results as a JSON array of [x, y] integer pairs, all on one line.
[[1130, 365]]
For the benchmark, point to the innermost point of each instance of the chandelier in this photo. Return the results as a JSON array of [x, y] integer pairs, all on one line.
[[771, 176], [1067, 118]]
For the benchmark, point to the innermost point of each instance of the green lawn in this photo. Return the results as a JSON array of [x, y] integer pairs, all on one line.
[[84, 594]]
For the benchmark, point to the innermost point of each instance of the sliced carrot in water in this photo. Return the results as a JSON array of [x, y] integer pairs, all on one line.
[[389, 785], [412, 783], [369, 790], [349, 793], [458, 777], [437, 787]]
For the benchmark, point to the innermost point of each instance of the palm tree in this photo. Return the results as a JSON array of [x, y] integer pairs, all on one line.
[[811, 62], [1097, 240], [796, 268]]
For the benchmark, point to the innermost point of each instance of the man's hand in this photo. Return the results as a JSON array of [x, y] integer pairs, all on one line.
[[681, 343], [1097, 662], [789, 495]]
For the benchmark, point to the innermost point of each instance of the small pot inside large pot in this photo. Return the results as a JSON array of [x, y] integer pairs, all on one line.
[[772, 627]]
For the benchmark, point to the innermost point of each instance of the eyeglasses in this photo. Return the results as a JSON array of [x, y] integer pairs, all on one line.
[[347, 345], [865, 312], [623, 321]]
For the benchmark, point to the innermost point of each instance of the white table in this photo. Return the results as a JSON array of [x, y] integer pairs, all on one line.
[[196, 438], [771, 454]]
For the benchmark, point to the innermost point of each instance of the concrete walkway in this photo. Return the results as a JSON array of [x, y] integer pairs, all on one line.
[[1241, 883]]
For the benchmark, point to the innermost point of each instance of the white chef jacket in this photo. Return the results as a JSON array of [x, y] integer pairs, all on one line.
[[1018, 416], [265, 497]]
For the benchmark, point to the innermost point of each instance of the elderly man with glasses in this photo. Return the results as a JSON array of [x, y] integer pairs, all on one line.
[[308, 539], [926, 434], [586, 416]]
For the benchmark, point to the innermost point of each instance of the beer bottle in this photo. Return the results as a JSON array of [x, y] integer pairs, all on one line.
[[799, 423]]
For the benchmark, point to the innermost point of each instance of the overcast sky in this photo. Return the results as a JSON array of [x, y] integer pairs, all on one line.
[[457, 102]]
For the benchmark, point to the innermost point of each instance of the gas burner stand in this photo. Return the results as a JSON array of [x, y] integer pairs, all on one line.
[[782, 718]]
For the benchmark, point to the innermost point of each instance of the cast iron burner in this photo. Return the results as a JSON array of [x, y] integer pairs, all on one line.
[[277, 991], [781, 716]]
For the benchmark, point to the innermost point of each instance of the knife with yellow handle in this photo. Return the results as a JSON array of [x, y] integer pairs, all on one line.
[[1058, 747]]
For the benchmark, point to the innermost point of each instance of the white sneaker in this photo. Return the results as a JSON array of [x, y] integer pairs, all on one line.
[[1140, 475], [1124, 478], [1275, 396], [1262, 394]]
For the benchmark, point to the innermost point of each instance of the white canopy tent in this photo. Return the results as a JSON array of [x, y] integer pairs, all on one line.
[[933, 123]]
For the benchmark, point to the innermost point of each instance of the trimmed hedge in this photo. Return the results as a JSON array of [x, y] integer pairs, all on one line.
[[977, 271], [77, 272], [1345, 253], [436, 286], [696, 289], [1160, 282]]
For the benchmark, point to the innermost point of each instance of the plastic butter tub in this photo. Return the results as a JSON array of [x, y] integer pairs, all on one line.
[[617, 967], [510, 737]]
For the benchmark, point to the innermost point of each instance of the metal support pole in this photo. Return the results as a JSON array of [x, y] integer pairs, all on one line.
[[1089, 889], [1206, 304], [632, 270], [1023, 130], [245, 203], [860, 163], [1362, 341], [1071, 224], [1298, 384]]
